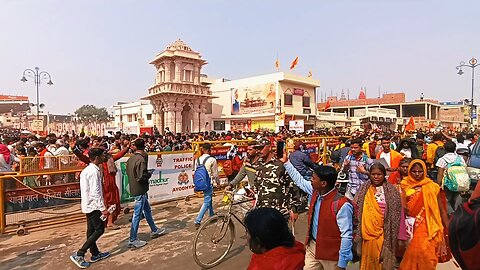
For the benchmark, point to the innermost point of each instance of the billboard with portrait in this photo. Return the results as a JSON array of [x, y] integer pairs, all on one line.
[[255, 99]]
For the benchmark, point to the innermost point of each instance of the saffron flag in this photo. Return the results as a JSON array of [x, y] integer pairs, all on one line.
[[327, 106], [310, 74], [277, 64], [294, 63], [410, 125]]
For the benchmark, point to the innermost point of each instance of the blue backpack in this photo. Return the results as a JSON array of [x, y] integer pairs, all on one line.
[[201, 179]]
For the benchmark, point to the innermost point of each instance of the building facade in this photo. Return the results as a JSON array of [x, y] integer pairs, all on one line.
[[454, 114], [133, 117], [178, 98], [251, 104], [424, 111]]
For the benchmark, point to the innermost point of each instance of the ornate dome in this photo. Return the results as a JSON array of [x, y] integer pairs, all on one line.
[[179, 45]]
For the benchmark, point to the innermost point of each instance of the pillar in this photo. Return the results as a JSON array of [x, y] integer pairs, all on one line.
[[178, 120], [168, 64], [196, 120], [177, 71], [202, 117], [426, 111], [196, 73], [169, 116]]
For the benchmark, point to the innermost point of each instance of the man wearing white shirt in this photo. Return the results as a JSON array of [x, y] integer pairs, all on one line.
[[64, 159], [94, 207]]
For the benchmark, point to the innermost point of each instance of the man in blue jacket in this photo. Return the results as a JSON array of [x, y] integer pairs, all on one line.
[[301, 160]]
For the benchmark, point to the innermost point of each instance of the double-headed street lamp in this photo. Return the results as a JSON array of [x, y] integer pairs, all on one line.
[[38, 76], [472, 64]]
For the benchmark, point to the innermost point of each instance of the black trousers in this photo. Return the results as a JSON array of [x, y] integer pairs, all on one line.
[[95, 229]]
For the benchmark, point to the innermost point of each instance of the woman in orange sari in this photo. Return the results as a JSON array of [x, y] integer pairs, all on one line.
[[379, 219], [422, 205]]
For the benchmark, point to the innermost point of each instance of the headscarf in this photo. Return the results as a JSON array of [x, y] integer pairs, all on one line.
[[391, 221], [430, 192], [5, 152]]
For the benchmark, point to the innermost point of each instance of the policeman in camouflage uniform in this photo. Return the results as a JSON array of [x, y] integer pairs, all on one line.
[[274, 187]]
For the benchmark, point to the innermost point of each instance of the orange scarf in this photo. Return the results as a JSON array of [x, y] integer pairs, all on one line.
[[430, 191], [372, 232]]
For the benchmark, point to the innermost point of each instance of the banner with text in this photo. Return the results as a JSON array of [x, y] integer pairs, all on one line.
[[172, 178]]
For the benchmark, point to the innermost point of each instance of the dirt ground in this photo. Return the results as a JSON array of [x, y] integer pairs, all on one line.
[[172, 251]]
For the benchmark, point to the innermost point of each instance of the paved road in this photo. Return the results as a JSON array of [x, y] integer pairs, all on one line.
[[172, 251]]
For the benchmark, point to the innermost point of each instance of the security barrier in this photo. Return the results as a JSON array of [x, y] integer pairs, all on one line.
[[172, 176], [319, 148], [220, 150], [49, 164], [32, 199], [35, 197]]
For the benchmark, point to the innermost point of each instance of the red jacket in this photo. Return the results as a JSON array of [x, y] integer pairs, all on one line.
[[283, 258], [328, 238]]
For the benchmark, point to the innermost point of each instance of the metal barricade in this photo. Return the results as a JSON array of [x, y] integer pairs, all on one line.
[[34, 197], [219, 151], [49, 164], [318, 147]]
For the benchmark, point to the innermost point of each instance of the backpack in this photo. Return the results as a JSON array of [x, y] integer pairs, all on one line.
[[201, 178], [228, 167], [456, 177], [464, 234], [439, 152]]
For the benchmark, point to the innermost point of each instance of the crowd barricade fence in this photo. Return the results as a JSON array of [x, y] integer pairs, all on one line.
[[319, 148], [34, 197], [220, 151]]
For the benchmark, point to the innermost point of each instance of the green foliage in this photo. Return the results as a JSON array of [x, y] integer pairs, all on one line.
[[90, 113]]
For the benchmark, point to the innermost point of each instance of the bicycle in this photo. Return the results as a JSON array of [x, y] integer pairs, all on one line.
[[216, 235]]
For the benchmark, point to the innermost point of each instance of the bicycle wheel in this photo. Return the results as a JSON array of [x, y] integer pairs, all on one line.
[[213, 241]]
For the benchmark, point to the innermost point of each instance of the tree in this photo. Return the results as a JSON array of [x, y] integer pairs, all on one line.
[[90, 113]]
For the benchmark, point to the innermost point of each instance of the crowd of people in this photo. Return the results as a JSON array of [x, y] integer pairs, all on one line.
[[400, 194]]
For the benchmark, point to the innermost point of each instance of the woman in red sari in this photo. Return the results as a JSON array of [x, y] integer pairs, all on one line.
[[110, 189], [422, 206], [271, 241]]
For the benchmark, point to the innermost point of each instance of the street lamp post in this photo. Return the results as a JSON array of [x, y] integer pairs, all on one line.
[[38, 76], [471, 64]]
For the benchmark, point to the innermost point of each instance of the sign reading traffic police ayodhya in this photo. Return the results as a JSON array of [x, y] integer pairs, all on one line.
[[172, 176]]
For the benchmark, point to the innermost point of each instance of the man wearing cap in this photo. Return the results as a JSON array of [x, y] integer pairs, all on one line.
[[274, 187]]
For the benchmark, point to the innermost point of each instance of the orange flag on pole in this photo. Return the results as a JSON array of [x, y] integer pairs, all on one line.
[[327, 106], [294, 63], [277, 64], [410, 125]]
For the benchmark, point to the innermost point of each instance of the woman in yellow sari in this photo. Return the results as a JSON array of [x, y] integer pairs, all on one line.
[[422, 204], [379, 219]]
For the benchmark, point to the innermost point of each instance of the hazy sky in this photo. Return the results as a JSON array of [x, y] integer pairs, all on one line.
[[98, 51]]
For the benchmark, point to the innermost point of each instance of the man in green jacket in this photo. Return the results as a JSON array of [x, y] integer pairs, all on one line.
[[138, 179]]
